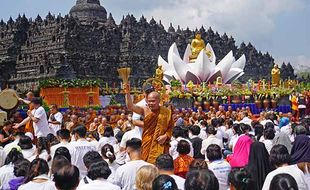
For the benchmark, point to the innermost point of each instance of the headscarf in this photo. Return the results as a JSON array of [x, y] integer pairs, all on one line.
[[259, 165], [284, 139], [240, 156], [283, 122], [301, 149]]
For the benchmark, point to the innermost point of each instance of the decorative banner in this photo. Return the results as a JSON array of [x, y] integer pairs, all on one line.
[[76, 96]]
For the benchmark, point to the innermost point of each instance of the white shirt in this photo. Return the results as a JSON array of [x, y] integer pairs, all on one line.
[[83, 181], [7, 148], [79, 149], [179, 181], [293, 170], [47, 185], [210, 140], [61, 144], [41, 128], [113, 167], [221, 169], [173, 148], [28, 153], [246, 120], [268, 144], [136, 116], [125, 175], [106, 140], [2, 156], [56, 127], [6, 174], [133, 133], [99, 184]]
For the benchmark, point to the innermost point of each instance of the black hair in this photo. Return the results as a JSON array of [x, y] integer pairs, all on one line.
[[63, 151], [283, 181], [13, 156], [25, 142], [269, 125], [107, 151], [164, 162], [201, 180], [183, 147], [258, 130], [52, 139], [241, 179], [178, 131], [198, 164], [269, 133], [211, 130], [21, 167], [134, 143], [108, 132], [244, 127], [67, 178], [215, 122], [279, 155], [80, 130], [300, 130], [99, 170], [236, 127], [63, 134], [91, 157], [36, 100], [37, 167], [59, 162], [195, 129], [221, 121], [164, 182], [119, 136], [43, 144], [214, 152]]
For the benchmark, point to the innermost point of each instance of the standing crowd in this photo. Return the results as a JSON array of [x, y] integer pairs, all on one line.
[[113, 149]]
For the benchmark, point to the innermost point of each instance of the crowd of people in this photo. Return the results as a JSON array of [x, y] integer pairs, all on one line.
[[146, 146]]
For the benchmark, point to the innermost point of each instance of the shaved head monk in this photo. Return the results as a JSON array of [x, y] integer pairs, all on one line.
[[158, 125]]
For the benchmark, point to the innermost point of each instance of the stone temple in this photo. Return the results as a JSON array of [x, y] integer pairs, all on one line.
[[87, 43]]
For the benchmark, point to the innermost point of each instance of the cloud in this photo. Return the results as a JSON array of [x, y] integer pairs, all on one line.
[[247, 20], [300, 63]]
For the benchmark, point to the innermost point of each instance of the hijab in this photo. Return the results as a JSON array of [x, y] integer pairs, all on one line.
[[284, 139], [301, 149], [240, 156], [259, 165]]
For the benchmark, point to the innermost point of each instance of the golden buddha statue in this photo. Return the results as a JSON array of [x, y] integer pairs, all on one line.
[[196, 46], [159, 73], [275, 76]]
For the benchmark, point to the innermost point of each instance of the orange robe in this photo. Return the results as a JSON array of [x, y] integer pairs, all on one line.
[[29, 124], [155, 125]]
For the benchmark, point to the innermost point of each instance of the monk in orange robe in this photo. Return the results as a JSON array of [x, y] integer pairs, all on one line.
[[158, 125], [28, 125]]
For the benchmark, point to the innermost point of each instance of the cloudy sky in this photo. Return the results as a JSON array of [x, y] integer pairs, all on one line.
[[281, 27]]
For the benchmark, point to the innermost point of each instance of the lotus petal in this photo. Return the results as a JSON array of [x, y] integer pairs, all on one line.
[[213, 57], [225, 64], [180, 66], [214, 75], [187, 53], [197, 67], [173, 50], [232, 74], [240, 63], [191, 77]]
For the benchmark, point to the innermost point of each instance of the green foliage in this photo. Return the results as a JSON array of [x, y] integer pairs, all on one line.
[[48, 83]]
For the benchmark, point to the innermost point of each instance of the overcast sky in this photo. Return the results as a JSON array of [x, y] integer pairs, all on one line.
[[281, 27]]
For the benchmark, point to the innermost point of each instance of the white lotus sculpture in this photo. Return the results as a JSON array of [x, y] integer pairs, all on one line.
[[204, 69]]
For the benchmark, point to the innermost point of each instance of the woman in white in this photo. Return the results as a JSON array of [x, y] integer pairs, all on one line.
[[28, 149], [43, 150], [108, 138], [99, 173], [37, 177], [108, 155]]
